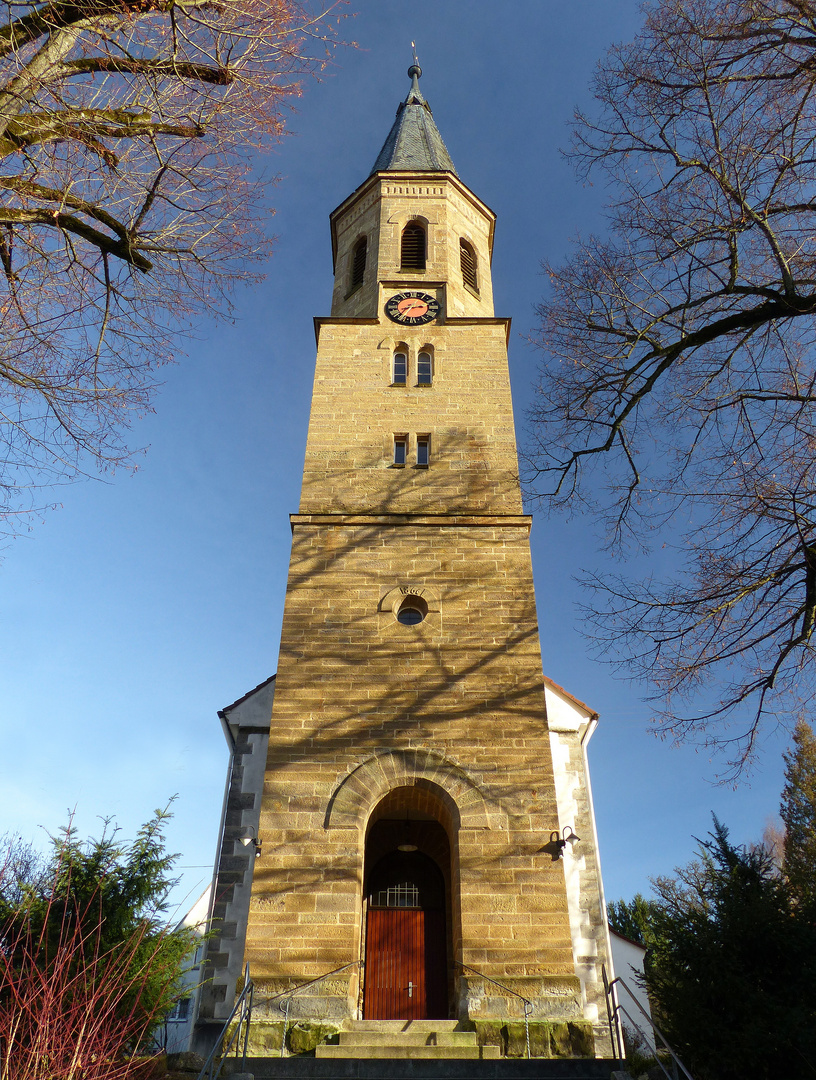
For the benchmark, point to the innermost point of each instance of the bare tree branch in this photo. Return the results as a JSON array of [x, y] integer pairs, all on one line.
[[127, 203], [679, 381]]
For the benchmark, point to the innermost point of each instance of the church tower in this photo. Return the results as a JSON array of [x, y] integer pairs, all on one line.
[[422, 776]]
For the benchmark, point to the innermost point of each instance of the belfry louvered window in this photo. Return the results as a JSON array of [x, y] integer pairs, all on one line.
[[467, 257], [358, 263], [412, 248]]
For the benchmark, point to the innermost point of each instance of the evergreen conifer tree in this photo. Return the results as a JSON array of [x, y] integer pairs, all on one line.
[[731, 966], [631, 918], [88, 964], [798, 812]]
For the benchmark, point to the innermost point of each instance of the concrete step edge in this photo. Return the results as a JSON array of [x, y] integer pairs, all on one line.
[[310, 1068], [400, 1025], [407, 1038], [399, 1053]]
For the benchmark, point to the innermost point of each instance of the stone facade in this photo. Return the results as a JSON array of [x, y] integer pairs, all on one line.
[[440, 725], [379, 210]]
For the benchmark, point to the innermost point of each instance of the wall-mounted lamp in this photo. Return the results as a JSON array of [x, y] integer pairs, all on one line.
[[407, 838], [568, 836], [250, 836]]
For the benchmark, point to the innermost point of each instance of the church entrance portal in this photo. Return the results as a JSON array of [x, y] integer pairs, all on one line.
[[407, 952]]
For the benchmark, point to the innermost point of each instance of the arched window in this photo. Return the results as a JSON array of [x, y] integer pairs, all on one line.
[[425, 367], [399, 374], [358, 263], [412, 248], [467, 257]]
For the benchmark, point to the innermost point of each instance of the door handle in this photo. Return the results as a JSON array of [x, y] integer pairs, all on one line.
[[410, 989]]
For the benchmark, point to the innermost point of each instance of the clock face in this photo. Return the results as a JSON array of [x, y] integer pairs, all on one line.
[[412, 308]]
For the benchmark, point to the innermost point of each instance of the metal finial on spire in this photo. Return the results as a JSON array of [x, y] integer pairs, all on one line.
[[414, 71]]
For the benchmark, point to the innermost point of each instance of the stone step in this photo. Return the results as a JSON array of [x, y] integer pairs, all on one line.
[[412, 1053], [407, 1038], [309, 1068], [400, 1025]]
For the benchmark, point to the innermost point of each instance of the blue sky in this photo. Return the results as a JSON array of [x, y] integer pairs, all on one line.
[[149, 601]]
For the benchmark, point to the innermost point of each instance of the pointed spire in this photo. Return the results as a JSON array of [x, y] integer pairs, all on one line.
[[414, 143]]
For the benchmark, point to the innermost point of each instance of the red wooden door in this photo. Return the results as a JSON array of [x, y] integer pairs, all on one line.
[[395, 954], [405, 973]]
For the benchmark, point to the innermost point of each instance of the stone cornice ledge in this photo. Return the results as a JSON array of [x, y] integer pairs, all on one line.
[[509, 521]]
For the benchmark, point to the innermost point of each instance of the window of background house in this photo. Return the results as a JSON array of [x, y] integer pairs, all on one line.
[[400, 449], [412, 248], [423, 449], [180, 1011], [467, 258]]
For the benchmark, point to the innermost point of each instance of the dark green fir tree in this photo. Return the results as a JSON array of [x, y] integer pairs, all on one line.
[[798, 812]]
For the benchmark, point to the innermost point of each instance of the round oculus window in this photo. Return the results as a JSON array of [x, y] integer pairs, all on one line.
[[412, 610], [410, 616]]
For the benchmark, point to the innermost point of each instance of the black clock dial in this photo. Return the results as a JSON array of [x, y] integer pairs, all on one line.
[[412, 308]]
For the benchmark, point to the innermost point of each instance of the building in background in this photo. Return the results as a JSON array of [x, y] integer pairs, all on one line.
[[628, 958], [176, 1031]]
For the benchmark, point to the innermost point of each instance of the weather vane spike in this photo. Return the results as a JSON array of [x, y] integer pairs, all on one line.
[[415, 70]]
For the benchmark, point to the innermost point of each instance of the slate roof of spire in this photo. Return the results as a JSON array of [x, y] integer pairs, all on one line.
[[414, 143]]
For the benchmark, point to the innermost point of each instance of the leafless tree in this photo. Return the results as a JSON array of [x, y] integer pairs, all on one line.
[[128, 202], [678, 387], [22, 870]]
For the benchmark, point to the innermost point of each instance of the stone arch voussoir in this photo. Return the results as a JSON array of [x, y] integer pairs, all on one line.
[[359, 791]]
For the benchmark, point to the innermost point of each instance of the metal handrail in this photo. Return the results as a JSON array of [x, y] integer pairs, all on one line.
[[657, 1051], [618, 1008], [243, 1006], [528, 1005], [613, 1021], [287, 995]]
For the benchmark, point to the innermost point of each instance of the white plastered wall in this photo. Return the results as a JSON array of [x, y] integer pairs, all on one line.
[[571, 725]]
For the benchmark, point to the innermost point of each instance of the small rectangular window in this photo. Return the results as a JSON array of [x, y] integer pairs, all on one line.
[[180, 1011], [400, 367], [423, 450], [400, 449], [424, 369]]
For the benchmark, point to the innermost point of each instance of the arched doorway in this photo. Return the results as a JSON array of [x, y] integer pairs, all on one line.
[[407, 912]]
